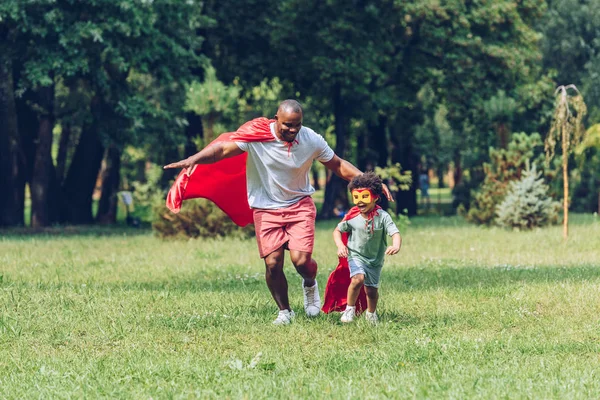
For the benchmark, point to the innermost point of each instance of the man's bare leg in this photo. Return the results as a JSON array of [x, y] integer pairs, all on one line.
[[305, 265], [307, 268], [276, 278]]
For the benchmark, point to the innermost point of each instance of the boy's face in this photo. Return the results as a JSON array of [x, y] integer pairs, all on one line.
[[364, 199]]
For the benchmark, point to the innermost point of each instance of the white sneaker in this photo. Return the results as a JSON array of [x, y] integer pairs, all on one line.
[[285, 317], [372, 317], [348, 314], [312, 300]]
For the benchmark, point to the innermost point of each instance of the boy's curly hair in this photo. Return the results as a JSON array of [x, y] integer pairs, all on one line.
[[368, 180]]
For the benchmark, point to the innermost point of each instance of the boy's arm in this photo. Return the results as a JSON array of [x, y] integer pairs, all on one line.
[[396, 243], [337, 238]]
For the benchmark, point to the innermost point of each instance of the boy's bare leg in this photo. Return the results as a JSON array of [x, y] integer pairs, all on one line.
[[372, 297], [354, 289]]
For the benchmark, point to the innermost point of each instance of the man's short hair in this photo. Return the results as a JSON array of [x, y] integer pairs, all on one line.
[[291, 105]]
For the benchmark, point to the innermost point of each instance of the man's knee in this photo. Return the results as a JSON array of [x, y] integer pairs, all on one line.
[[303, 261], [274, 263]]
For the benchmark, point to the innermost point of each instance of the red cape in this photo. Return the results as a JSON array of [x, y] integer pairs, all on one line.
[[336, 291], [224, 182]]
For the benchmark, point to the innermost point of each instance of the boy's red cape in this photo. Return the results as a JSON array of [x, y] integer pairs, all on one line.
[[224, 182], [336, 291]]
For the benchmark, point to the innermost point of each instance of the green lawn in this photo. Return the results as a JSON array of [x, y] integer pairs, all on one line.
[[467, 312]]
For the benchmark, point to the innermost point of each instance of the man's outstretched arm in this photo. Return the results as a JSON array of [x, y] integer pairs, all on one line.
[[342, 168], [347, 171], [210, 154]]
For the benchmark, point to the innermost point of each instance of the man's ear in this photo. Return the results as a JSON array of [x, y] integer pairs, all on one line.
[[275, 117]]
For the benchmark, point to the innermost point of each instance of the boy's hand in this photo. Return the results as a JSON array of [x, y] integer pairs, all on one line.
[[342, 251], [391, 250]]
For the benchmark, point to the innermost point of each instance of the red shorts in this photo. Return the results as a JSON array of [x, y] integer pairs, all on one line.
[[294, 225]]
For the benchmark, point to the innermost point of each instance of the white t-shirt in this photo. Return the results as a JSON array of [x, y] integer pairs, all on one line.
[[277, 174]]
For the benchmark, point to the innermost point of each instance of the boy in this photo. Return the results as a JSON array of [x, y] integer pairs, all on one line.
[[367, 225]]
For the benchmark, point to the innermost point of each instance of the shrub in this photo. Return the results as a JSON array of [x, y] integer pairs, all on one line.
[[505, 166], [197, 218], [527, 204]]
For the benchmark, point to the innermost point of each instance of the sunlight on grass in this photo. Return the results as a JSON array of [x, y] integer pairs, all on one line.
[[466, 312]]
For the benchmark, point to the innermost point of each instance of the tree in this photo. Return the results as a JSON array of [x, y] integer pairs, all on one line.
[[571, 47], [527, 204], [102, 47], [568, 128]]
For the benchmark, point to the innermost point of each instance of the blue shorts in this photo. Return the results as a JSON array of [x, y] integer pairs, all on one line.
[[371, 274]]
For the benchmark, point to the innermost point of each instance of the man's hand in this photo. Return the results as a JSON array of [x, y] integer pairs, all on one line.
[[342, 251], [387, 193], [186, 164], [180, 164], [391, 250]]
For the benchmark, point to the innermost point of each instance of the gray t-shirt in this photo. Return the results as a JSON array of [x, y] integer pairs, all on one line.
[[367, 244], [277, 175]]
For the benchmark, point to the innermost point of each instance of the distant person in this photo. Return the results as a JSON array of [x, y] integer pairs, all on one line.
[[280, 155], [424, 187], [367, 226], [339, 210]]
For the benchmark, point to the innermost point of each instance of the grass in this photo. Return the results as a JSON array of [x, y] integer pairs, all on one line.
[[467, 312]]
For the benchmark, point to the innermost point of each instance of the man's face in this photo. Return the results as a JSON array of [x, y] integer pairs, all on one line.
[[288, 125], [364, 199]]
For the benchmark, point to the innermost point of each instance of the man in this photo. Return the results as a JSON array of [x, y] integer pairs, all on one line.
[[279, 191]]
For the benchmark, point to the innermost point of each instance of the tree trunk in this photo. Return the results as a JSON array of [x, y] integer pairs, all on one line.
[[315, 176], [404, 154], [168, 175], [457, 169], [193, 129], [11, 168], [336, 187], [43, 212], [61, 158], [565, 168], [107, 206], [440, 172], [80, 182], [379, 141]]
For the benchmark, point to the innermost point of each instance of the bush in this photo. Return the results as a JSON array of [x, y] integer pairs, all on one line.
[[505, 166], [527, 204], [197, 218]]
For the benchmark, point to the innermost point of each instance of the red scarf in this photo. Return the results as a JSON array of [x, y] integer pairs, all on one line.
[[224, 182], [336, 291]]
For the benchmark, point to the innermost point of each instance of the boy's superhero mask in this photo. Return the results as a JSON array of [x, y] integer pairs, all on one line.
[[363, 196]]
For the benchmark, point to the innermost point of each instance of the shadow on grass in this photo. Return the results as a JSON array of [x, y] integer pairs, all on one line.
[[75, 230]]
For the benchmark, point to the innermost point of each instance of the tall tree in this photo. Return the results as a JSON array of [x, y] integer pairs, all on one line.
[[100, 44], [571, 47]]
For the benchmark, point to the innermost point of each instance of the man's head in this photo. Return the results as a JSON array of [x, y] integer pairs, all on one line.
[[366, 190], [288, 120]]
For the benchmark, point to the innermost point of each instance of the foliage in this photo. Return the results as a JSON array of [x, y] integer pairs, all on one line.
[[147, 193], [394, 177], [571, 47], [505, 166], [586, 190], [435, 140], [212, 100], [197, 218], [567, 123], [527, 203]]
